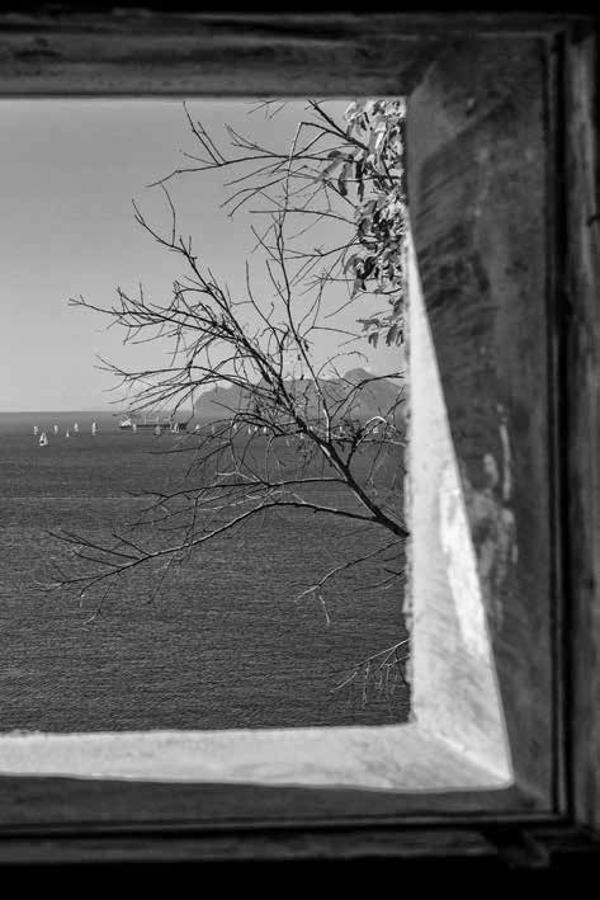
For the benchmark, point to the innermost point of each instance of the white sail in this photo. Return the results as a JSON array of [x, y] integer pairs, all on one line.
[[76, 427], [176, 427], [56, 429], [134, 427], [35, 429], [197, 428], [43, 442], [157, 431], [94, 427], [67, 433]]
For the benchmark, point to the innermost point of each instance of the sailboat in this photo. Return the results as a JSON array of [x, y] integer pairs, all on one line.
[[56, 429], [67, 433], [35, 429], [133, 427], [157, 431], [43, 441], [94, 427], [76, 428]]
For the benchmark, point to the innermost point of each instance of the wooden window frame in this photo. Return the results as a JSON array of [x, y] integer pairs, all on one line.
[[41, 54]]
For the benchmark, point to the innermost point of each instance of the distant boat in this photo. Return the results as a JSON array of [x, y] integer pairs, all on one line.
[[94, 427], [197, 429], [43, 441], [35, 429], [152, 422], [157, 431], [76, 428], [56, 429], [67, 433]]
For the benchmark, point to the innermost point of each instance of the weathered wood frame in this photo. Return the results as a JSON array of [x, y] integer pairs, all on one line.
[[128, 54]]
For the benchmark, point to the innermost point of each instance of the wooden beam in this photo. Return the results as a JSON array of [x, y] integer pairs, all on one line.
[[582, 415], [141, 52]]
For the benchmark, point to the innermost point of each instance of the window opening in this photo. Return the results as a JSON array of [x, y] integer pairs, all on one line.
[[254, 425]]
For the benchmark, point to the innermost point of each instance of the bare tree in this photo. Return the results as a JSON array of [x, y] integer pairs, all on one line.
[[290, 428]]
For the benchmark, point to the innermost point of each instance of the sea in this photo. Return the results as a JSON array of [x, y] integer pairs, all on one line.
[[225, 642]]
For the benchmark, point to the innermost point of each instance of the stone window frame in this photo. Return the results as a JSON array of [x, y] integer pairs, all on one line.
[[555, 795]]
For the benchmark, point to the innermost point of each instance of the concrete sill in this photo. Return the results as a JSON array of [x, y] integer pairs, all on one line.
[[396, 758]]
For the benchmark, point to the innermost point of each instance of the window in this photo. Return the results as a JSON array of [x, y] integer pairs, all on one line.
[[487, 118]]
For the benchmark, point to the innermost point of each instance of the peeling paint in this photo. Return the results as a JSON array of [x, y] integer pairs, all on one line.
[[493, 526], [478, 537], [491, 469], [506, 454]]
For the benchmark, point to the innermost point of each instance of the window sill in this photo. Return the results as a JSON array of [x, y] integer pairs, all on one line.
[[391, 758]]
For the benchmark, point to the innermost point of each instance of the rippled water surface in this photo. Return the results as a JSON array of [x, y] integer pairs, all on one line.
[[224, 644]]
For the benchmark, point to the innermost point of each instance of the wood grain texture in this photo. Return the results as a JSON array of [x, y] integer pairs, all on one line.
[[525, 845], [30, 803], [582, 437], [298, 844], [209, 54], [476, 169], [228, 53]]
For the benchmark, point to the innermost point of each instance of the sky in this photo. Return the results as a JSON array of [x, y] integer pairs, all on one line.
[[69, 169]]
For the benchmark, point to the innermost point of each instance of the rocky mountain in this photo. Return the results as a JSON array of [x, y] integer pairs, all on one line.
[[367, 395]]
